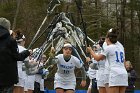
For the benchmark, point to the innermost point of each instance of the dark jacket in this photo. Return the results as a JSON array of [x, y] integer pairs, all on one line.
[[8, 58], [131, 78]]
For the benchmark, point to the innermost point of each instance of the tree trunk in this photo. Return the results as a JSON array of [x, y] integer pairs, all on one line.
[[122, 19], [16, 15]]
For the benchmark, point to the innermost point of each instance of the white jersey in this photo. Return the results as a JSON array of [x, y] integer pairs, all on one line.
[[100, 72], [21, 74], [106, 71], [115, 56], [119, 44], [38, 78], [93, 72], [107, 67], [65, 70], [20, 49]]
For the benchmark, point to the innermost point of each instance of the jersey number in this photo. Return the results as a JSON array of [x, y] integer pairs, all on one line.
[[66, 71], [119, 56]]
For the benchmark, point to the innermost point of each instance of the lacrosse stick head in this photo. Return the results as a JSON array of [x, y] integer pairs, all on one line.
[[65, 19], [52, 5], [59, 25]]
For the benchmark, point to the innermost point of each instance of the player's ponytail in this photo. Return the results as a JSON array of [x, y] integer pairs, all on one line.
[[113, 35]]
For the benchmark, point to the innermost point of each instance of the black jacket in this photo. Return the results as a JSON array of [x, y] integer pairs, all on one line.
[[131, 78], [8, 58]]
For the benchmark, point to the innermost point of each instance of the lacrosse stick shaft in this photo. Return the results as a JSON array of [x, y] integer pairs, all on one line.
[[78, 55], [83, 23], [50, 10], [37, 32], [91, 40]]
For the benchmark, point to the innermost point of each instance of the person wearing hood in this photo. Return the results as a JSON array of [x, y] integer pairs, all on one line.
[[9, 56], [132, 76]]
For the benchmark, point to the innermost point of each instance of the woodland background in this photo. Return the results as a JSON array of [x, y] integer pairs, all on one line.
[[99, 16]]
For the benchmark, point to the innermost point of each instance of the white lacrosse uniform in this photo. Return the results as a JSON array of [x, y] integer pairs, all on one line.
[[29, 82], [65, 76], [117, 72], [38, 78], [100, 73], [119, 44], [21, 74], [107, 67], [91, 73]]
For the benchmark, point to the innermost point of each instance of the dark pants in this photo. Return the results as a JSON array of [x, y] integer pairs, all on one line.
[[6, 89], [37, 88], [94, 86]]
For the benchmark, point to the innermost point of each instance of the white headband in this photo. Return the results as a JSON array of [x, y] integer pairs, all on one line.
[[67, 45]]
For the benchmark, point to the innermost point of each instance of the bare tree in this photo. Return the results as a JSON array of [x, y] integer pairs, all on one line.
[[16, 15]]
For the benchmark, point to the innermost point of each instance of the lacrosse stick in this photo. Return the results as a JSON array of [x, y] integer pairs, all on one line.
[[51, 7]]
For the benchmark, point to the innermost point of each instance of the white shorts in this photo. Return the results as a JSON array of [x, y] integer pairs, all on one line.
[[100, 84], [106, 78], [65, 84], [29, 82], [21, 78], [38, 78], [20, 73], [42, 85], [118, 80], [99, 78], [21, 82]]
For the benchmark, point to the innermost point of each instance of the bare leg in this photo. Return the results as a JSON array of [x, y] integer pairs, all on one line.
[[59, 91], [29, 91], [102, 90], [107, 87], [122, 89], [89, 90], [114, 89], [18, 89], [69, 91]]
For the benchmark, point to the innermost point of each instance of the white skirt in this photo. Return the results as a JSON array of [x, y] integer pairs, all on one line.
[[100, 78], [118, 80], [65, 84], [29, 82], [106, 78], [21, 82], [38, 78], [21, 77]]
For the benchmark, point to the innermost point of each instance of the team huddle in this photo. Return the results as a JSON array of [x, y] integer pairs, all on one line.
[[106, 64]]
